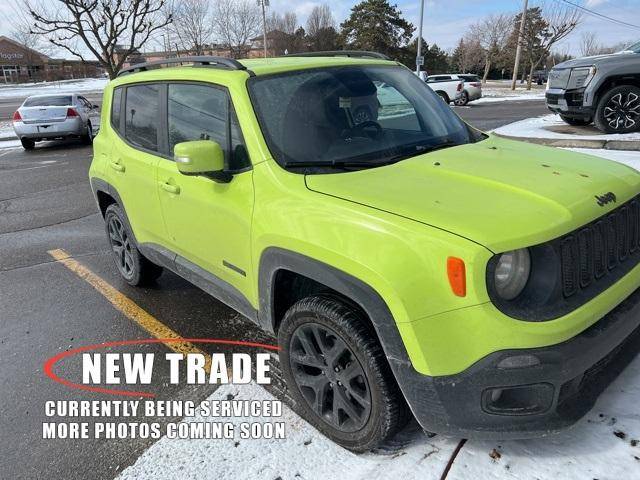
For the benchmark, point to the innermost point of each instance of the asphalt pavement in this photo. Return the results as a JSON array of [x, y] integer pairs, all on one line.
[[46, 204]]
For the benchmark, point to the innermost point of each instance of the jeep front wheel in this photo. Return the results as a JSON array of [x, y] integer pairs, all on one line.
[[338, 375], [619, 110]]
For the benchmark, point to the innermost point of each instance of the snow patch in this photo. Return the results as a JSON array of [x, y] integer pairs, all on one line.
[[541, 127], [23, 90]]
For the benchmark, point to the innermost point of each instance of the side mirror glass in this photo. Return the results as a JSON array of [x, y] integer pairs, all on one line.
[[201, 157]]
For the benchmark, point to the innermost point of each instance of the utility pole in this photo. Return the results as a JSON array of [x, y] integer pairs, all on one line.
[[523, 19], [419, 59], [264, 4]]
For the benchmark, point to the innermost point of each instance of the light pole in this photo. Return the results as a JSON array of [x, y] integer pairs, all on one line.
[[523, 19], [419, 60], [264, 4]]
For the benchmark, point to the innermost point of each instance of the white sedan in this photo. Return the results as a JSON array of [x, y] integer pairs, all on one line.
[[48, 117]]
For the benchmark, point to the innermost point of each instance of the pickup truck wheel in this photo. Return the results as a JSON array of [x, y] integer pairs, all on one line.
[[578, 122], [463, 100], [132, 265], [618, 110], [338, 374], [444, 96], [27, 143]]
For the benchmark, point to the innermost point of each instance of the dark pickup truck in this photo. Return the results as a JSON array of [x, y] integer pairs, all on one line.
[[604, 89]]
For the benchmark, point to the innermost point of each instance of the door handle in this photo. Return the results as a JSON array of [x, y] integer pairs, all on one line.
[[175, 189], [117, 166]]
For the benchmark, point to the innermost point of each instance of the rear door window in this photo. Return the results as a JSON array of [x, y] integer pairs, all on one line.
[[142, 116]]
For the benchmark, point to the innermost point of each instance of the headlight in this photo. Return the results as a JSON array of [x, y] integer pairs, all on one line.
[[512, 272], [580, 77]]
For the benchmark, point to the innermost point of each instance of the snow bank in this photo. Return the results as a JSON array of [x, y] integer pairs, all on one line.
[[304, 454], [45, 88], [542, 127], [491, 94]]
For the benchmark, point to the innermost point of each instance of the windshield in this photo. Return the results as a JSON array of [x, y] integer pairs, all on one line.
[[635, 48], [356, 116], [53, 101]]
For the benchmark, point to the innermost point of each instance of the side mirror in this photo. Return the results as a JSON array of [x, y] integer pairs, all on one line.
[[201, 157]]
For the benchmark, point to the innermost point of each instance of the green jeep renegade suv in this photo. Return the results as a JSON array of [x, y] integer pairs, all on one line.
[[409, 264]]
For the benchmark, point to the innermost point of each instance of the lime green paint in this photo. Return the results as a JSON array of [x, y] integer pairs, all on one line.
[[392, 227], [199, 156]]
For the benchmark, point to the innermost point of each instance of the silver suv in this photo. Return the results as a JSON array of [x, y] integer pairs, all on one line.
[[604, 89]]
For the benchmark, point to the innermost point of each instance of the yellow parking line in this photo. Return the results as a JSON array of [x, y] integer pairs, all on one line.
[[127, 306]]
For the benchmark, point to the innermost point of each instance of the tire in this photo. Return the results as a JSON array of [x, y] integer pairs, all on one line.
[[444, 96], [463, 100], [27, 143], [577, 122], [87, 138], [321, 332], [132, 265], [618, 110]]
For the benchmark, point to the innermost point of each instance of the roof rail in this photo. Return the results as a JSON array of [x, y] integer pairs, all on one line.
[[342, 53], [200, 61]]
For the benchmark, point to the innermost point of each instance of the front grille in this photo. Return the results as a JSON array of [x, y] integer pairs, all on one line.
[[601, 248], [553, 98]]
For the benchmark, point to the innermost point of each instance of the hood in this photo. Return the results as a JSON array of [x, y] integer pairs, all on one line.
[[499, 193], [597, 60]]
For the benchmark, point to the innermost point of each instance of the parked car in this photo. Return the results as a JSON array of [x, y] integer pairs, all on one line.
[[449, 89], [471, 87], [49, 117], [540, 76], [409, 265], [604, 89]]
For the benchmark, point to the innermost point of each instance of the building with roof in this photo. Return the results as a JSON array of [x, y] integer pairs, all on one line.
[[19, 63]]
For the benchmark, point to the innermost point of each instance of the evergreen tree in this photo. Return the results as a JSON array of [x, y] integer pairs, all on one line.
[[378, 26]]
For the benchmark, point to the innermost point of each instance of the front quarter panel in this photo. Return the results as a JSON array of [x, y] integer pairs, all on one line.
[[402, 260]]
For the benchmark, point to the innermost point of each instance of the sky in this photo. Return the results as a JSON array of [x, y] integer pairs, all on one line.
[[445, 21]]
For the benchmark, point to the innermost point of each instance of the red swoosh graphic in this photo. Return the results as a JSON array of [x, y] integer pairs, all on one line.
[[49, 364]]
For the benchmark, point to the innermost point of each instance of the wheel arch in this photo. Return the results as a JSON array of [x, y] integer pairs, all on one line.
[[105, 195], [279, 266], [612, 82]]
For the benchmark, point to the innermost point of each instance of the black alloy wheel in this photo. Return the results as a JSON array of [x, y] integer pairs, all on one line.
[[132, 265], [330, 377], [337, 373], [121, 246], [619, 110]]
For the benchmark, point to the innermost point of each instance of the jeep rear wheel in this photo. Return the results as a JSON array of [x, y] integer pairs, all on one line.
[[132, 265], [338, 375], [619, 110]]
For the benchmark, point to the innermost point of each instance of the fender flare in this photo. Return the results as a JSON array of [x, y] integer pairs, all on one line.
[[417, 388]]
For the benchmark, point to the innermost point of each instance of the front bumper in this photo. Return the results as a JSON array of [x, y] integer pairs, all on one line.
[[535, 400], [69, 127], [570, 103]]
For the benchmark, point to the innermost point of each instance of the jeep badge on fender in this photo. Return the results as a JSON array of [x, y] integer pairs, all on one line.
[[606, 198]]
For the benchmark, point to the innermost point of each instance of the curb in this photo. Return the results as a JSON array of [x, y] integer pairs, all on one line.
[[628, 145]]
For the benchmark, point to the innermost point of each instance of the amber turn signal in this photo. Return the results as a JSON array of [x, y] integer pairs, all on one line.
[[457, 276]]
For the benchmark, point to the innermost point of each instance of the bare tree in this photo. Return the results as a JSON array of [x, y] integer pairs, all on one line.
[[109, 30], [321, 28], [545, 26], [493, 33], [283, 34], [192, 26], [468, 55], [236, 22], [589, 44]]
